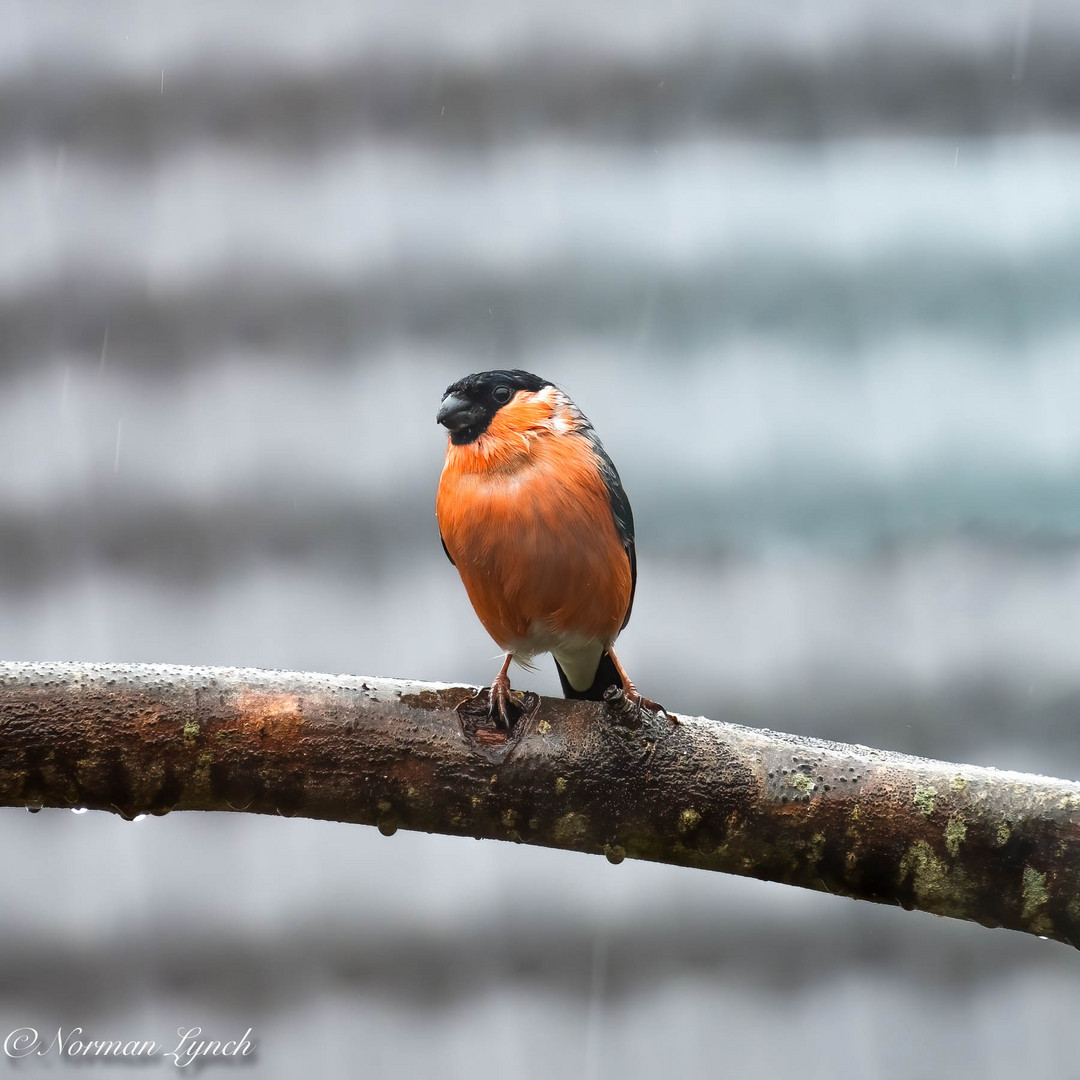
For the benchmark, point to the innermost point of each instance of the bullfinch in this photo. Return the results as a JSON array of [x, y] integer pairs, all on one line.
[[532, 513]]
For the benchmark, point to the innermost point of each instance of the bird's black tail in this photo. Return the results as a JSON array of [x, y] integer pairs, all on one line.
[[606, 676]]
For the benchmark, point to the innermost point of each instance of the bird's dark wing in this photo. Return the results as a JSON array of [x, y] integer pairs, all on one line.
[[447, 550], [620, 510]]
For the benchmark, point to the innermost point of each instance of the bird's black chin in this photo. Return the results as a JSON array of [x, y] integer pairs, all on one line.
[[467, 435]]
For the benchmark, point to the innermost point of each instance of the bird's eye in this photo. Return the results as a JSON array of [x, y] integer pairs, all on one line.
[[502, 394]]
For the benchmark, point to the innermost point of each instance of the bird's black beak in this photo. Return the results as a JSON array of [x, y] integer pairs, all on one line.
[[456, 413]]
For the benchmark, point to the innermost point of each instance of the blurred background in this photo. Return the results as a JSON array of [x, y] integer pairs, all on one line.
[[813, 270]]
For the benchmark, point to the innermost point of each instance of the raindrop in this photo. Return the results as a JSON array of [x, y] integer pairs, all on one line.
[[34, 808], [139, 817], [594, 1021], [1023, 38], [78, 809], [58, 166]]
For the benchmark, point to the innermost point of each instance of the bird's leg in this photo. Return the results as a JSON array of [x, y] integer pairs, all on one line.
[[492, 715], [630, 691], [503, 710]]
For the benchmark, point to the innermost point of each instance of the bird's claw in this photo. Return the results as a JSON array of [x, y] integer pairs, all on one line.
[[495, 711], [505, 706], [645, 703], [629, 705]]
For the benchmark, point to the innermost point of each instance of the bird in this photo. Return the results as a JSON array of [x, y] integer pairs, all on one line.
[[532, 513]]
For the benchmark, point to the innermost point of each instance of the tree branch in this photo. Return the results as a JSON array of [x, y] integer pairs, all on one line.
[[999, 848]]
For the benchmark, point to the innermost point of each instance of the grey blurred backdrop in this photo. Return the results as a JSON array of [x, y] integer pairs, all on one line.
[[813, 270]]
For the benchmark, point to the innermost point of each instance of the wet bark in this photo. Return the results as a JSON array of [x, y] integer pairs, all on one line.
[[999, 848]]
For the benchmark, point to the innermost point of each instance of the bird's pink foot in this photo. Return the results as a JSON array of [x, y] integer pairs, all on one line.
[[628, 694], [629, 705], [494, 712], [642, 702], [503, 710]]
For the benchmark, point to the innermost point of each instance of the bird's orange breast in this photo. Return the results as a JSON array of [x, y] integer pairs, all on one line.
[[527, 519]]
